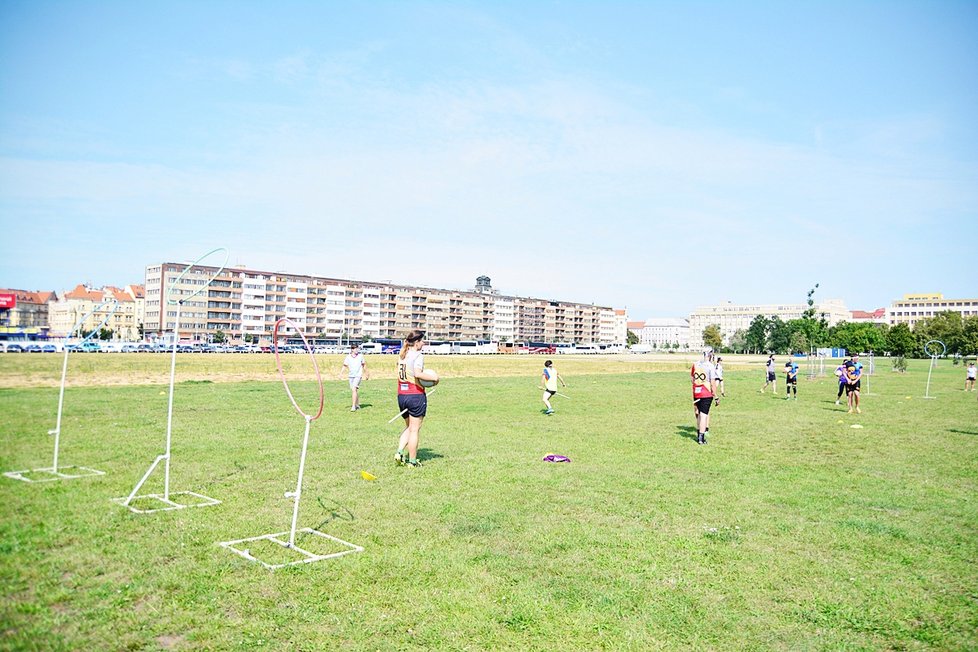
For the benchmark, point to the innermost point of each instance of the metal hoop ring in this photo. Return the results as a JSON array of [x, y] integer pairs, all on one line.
[[935, 355], [169, 293], [315, 365]]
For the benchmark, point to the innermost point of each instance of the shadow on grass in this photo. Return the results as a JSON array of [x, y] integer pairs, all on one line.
[[335, 511], [425, 454], [689, 432], [963, 432]]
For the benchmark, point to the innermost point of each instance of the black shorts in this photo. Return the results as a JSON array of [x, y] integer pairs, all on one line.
[[852, 387], [790, 380], [550, 392], [703, 404], [771, 377], [415, 404]]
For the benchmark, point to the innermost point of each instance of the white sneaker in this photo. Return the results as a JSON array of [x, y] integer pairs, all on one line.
[[353, 409]]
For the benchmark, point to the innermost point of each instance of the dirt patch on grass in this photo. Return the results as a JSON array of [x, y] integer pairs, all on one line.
[[170, 641]]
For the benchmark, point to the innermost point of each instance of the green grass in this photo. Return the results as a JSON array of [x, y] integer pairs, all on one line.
[[790, 530]]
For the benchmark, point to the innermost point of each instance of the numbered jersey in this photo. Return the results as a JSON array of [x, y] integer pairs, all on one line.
[[703, 375], [406, 382]]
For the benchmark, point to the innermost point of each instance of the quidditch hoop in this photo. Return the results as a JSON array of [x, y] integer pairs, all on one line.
[[935, 355], [169, 293], [95, 331], [315, 365]]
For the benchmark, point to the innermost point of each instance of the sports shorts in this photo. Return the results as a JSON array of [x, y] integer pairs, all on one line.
[[771, 377], [550, 392], [790, 380], [415, 404], [703, 404], [355, 381]]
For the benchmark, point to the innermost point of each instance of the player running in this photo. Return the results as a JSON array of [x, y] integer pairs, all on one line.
[[969, 381], [854, 372], [704, 379], [549, 379]]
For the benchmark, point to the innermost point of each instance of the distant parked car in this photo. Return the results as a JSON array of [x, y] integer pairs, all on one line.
[[130, 348], [14, 348], [49, 348], [33, 348]]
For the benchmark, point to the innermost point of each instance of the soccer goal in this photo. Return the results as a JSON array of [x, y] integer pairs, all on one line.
[[316, 545], [70, 472], [156, 502]]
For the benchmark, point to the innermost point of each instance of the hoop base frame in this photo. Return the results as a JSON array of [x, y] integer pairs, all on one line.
[[307, 557], [56, 475], [171, 505]]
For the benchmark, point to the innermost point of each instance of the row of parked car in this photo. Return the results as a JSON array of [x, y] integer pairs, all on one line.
[[115, 347]]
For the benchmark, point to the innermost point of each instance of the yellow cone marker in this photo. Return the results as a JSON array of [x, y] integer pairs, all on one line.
[[367, 476]]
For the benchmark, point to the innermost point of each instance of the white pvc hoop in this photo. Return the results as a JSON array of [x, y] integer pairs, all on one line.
[[281, 373], [176, 281], [935, 355], [933, 361]]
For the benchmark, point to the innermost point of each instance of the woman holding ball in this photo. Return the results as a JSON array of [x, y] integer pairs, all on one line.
[[411, 398]]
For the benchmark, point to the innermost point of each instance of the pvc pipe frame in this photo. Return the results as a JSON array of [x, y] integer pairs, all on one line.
[[64, 369], [173, 366], [933, 361]]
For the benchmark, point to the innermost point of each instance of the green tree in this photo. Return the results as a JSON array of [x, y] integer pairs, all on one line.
[[900, 341], [738, 341], [632, 338], [947, 326], [712, 337], [779, 335], [756, 338], [220, 337], [969, 339], [799, 342], [105, 334]]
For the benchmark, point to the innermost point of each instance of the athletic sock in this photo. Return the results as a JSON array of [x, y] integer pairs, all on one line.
[[400, 451], [413, 460]]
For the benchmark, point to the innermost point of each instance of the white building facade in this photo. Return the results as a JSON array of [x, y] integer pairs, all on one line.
[[731, 317]]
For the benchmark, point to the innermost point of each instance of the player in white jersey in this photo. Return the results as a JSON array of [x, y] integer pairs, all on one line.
[[356, 366]]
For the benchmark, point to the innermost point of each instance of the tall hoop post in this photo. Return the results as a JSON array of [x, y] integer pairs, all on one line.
[[169, 408], [933, 361]]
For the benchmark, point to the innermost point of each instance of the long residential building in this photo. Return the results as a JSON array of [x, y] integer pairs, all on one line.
[[914, 307], [731, 317], [244, 305]]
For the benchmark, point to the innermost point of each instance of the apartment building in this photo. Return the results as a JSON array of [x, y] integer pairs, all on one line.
[[243, 302], [914, 307], [662, 332], [110, 307], [731, 317], [24, 313]]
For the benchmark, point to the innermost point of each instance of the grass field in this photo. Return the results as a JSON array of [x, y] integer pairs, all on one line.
[[790, 530]]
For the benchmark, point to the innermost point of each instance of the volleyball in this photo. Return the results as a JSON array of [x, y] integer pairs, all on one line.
[[429, 383]]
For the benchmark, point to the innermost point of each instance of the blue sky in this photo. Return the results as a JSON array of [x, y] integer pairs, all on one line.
[[650, 155]]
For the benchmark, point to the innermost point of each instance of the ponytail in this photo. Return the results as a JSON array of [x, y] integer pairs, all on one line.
[[412, 337]]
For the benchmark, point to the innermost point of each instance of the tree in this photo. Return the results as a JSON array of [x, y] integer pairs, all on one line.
[[799, 342], [756, 339], [779, 335], [738, 341], [105, 334], [712, 337], [631, 338], [947, 326], [219, 337], [900, 341], [969, 339]]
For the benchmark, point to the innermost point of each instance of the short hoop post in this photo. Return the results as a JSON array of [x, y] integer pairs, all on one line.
[[305, 556], [933, 361], [297, 494], [169, 407]]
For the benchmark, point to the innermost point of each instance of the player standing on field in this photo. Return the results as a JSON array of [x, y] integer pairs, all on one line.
[[704, 379], [772, 378], [549, 379], [790, 379], [854, 372]]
